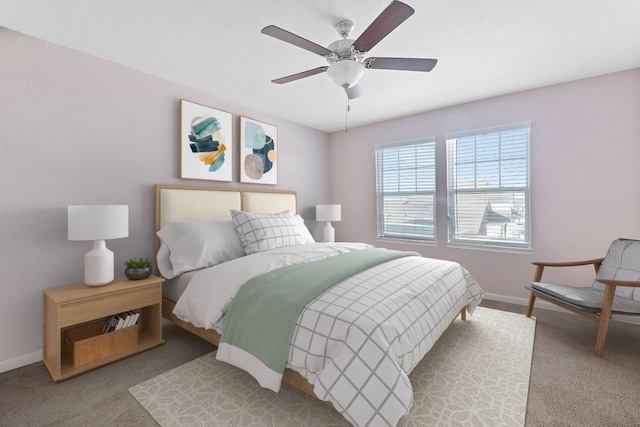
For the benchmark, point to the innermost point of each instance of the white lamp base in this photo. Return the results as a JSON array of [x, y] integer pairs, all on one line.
[[98, 265], [328, 233]]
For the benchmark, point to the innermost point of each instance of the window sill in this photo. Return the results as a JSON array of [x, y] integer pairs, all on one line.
[[490, 248]]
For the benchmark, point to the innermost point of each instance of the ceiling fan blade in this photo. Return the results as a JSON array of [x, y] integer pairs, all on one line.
[[354, 91], [409, 64], [390, 18], [301, 75], [295, 40]]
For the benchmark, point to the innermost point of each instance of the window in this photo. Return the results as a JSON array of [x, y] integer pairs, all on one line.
[[406, 187], [488, 187]]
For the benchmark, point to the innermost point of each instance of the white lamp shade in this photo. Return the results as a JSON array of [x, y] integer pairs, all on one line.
[[328, 212], [97, 222]]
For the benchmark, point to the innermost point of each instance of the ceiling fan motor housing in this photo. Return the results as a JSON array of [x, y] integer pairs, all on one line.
[[343, 50]]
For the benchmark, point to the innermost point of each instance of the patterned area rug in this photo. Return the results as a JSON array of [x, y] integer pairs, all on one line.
[[476, 374]]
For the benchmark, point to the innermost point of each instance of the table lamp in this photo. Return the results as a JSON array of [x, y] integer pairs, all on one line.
[[328, 213], [98, 223]]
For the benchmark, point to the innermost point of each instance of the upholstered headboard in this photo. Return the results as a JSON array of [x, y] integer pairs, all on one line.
[[200, 203]]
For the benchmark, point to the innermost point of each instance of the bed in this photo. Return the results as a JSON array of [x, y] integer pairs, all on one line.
[[353, 345]]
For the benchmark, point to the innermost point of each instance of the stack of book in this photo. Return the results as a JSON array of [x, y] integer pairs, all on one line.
[[120, 321]]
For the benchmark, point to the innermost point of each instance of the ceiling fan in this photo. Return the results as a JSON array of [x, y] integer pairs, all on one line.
[[346, 58]]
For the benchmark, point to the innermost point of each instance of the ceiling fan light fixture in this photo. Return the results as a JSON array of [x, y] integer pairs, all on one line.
[[346, 73]]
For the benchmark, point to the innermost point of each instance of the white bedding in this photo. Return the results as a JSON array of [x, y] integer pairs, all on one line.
[[211, 289], [173, 288], [357, 341]]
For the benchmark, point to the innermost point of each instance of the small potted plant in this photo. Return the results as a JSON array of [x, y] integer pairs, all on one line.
[[137, 268]]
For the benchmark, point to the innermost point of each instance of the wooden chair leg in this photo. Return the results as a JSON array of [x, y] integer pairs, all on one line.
[[537, 276], [605, 315], [532, 300]]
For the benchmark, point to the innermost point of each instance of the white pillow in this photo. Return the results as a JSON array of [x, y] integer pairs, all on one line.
[[163, 262], [306, 234], [263, 232], [192, 245]]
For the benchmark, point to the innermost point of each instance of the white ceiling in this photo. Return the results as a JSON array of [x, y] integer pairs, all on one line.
[[484, 47]]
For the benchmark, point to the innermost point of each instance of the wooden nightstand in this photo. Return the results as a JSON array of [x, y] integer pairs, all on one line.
[[71, 306]]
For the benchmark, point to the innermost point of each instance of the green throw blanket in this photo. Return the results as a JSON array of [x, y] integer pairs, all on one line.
[[262, 316]]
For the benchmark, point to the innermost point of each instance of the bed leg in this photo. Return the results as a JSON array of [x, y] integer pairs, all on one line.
[[463, 313]]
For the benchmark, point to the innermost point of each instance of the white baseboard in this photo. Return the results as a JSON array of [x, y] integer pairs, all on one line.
[[540, 303], [508, 299], [20, 361]]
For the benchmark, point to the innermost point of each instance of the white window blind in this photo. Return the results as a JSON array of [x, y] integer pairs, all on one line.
[[489, 187], [406, 186]]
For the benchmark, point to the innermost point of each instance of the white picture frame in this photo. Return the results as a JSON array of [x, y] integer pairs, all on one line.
[[206, 142]]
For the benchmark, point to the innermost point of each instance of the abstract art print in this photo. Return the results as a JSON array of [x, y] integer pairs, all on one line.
[[206, 135], [258, 152]]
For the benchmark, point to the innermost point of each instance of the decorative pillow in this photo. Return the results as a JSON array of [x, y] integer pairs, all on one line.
[[263, 232], [192, 245], [306, 234]]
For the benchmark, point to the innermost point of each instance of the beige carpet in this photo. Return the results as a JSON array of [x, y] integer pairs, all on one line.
[[477, 374]]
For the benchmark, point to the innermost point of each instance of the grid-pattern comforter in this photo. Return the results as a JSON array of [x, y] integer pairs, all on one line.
[[357, 341]]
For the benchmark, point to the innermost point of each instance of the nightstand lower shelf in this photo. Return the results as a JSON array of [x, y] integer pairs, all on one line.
[[67, 370]]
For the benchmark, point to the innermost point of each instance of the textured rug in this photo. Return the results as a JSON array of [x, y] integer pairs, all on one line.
[[476, 374]]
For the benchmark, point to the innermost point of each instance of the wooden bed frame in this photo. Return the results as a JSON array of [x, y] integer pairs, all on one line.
[[183, 203]]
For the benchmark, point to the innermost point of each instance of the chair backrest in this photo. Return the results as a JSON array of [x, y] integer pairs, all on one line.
[[621, 263]]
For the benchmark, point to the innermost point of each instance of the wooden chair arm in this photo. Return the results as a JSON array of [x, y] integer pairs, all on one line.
[[610, 282], [568, 264], [540, 265]]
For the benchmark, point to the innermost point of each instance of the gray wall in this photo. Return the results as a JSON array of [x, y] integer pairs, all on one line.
[[585, 180], [76, 129]]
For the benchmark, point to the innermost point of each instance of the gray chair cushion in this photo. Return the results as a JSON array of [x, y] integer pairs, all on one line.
[[621, 263], [588, 297]]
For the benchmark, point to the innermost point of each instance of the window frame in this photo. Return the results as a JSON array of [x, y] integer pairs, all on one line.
[[381, 225], [453, 191]]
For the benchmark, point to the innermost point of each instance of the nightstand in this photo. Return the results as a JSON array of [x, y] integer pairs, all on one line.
[[72, 306]]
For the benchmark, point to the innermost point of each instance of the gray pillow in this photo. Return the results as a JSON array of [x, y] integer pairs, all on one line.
[[191, 245]]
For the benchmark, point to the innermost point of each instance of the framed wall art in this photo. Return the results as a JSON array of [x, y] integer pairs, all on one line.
[[206, 137], [258, 152]]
